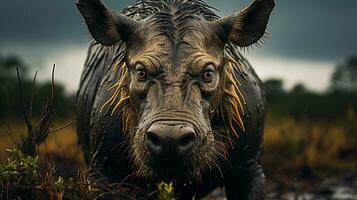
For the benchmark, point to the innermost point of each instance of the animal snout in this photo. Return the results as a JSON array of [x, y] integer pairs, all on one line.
[[170, 140]]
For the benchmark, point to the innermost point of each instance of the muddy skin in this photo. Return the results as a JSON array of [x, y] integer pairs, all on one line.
[[166, 95]]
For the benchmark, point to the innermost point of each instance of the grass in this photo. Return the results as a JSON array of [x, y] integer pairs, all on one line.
[[304, 152], [23, 177], [295, 151], [62, 143], [166, 191]]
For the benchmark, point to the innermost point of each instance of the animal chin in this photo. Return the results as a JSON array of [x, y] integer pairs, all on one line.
[[173, 173], [171, 167], [165, 169], [192, 167]]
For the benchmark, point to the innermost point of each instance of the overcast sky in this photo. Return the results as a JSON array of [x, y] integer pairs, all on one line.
[[307, 37]]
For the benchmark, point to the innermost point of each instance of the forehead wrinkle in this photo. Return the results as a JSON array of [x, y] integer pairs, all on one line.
[[155, 62], [175, 24], [155, 54], [176, 35], [198, 60]]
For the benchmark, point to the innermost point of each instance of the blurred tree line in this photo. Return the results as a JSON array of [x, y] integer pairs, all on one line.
[[11, 103], [339, 102]]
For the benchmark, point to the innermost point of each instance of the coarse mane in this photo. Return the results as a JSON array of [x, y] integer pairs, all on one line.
[[143, 9], [170, 18]]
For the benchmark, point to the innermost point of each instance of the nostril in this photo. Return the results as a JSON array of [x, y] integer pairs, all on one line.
[[153, 140], [187, 140], [172, 141]]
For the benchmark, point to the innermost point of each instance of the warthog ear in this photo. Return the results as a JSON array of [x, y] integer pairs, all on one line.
[[246, 27], [106, 26]]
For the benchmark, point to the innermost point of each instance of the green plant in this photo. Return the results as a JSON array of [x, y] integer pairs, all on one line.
[[166, 191], [22, 177], [19, 168]]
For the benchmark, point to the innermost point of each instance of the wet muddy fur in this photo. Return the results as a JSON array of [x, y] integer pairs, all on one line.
[[165, 95]]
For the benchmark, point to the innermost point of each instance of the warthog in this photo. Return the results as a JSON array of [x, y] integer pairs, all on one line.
[[165, 95]]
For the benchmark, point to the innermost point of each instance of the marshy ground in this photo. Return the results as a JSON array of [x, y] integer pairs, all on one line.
[[302, 159]]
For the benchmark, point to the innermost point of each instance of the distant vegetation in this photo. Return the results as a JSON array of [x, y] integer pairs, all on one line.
[[301, 103], [11, 105], [337, 103]]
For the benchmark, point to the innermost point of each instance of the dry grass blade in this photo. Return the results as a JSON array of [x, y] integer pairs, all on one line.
[[38, 133]]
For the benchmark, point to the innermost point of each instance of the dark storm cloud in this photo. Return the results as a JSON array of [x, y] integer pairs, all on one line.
[[43, 21], [314, 29], [301, 29], [308, 29]]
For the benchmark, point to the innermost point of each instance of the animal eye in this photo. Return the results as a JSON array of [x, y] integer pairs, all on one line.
[[141, 72], [208, 74]]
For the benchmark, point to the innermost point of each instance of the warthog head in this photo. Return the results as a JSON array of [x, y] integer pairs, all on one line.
[[176, 85]]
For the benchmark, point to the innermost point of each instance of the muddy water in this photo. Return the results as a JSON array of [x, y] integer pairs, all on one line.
[[328, 189]]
